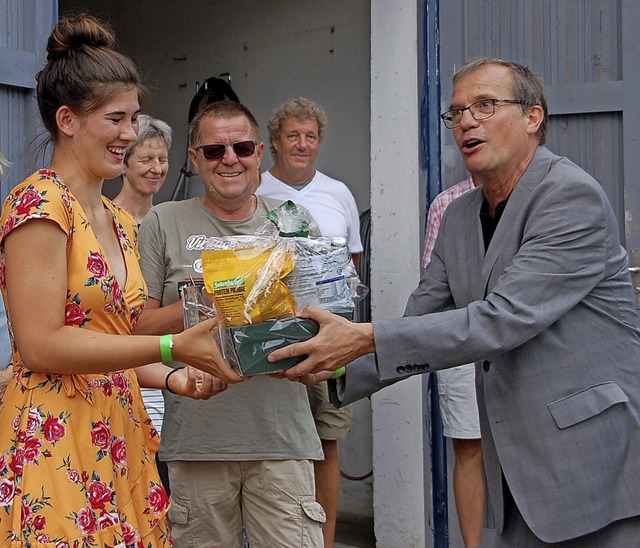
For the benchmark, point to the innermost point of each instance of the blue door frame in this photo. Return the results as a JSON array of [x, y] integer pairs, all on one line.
[[430, 163]]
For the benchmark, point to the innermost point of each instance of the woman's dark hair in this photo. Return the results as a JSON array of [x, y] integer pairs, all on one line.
[[83, 70]]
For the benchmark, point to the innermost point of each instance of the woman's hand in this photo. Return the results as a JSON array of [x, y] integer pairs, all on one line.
[[198, 347], [196, 384]]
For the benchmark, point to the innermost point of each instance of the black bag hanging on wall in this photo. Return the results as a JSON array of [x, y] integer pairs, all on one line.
[[212, 90]]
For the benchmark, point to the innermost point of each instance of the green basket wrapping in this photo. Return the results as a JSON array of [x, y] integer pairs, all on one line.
[[253, 343]]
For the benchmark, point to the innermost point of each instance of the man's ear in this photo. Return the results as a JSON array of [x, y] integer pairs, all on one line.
[[66, 120], [536, 116], [260, 154], [194, 158]]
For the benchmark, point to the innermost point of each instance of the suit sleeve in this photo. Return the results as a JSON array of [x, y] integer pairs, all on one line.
[[434, 219], [567, 236]]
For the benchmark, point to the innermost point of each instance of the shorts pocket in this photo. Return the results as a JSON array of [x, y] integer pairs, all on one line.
[[312, 524], [314, 511], [178, 514], [585, 404]]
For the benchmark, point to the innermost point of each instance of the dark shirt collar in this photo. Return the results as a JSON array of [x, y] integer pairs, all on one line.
[[489, 223]]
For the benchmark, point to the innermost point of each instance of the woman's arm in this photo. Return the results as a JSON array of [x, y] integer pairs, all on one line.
[[36, 287]]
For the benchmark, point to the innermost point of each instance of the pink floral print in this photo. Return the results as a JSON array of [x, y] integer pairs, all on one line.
[[77, 451]]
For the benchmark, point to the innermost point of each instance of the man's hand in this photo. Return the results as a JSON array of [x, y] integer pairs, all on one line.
[[157, 320], [308, 379], [338, 343]]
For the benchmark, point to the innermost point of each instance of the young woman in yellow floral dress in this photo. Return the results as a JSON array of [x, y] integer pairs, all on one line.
[[76, 445]]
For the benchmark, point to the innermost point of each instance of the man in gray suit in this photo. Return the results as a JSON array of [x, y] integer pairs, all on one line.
[[527, 279]]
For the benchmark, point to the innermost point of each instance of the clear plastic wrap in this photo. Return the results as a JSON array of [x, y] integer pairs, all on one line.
[[258, 283], [246, 283], [197, 305]]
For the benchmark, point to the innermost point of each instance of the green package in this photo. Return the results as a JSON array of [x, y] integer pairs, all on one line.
[[254, 342]]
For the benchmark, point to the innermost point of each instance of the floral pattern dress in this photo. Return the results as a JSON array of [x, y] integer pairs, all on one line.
[[77, 451]]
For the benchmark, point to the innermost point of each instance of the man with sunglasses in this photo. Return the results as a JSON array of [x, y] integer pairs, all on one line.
[[296, 130], [528, 280], [243, 460]]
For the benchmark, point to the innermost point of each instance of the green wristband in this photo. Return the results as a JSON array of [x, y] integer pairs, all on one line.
[[339, 373], [166, 344]]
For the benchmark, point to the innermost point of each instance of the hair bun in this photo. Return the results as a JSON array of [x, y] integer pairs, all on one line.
[[76, 32]]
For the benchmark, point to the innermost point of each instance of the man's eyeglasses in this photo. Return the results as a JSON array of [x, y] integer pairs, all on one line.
[[242, 149], [480, 110]]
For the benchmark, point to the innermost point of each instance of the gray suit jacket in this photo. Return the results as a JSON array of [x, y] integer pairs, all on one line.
[[547, 314]]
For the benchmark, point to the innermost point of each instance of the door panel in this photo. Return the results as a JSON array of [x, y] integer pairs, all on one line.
[[24, 27], [583, 49]]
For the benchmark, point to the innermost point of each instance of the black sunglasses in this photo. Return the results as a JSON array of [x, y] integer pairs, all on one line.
[[242, 149]]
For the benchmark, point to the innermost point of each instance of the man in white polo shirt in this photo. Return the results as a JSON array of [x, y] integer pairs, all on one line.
[[296, 130]]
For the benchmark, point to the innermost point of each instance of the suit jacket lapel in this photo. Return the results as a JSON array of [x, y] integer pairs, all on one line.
[[535, 172], [473, 246]]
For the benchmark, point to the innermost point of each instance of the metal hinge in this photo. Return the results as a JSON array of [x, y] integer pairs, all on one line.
[[634, 269]]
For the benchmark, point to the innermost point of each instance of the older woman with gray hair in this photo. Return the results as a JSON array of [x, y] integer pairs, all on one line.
[[145, 167], [144, 170]]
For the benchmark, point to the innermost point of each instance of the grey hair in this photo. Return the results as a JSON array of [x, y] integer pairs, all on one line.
[[300, 108], [527, 86], [149, 128]]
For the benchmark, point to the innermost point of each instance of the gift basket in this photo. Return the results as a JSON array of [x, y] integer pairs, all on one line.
[[257, 283]]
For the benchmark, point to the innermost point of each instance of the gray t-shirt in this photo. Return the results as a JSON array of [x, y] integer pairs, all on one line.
[[259, 419]]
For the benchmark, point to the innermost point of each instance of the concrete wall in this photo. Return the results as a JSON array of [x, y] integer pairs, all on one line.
[[273, 52], [396, 213]]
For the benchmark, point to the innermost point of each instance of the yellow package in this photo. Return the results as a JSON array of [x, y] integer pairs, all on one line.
[[246, 284]]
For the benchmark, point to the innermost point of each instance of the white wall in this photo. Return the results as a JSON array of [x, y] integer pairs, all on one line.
[[273, 50]]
